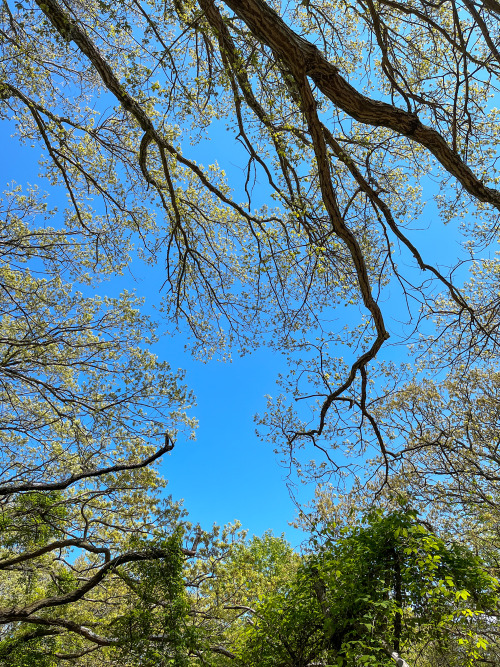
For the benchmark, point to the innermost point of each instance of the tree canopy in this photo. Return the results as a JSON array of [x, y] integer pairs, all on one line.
[[357, 236], [387, 587]]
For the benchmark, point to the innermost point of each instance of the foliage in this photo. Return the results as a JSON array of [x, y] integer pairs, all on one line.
[[84, 399], [158, 608], [346, 116], [355, 121], [386, 587], [225, 593]]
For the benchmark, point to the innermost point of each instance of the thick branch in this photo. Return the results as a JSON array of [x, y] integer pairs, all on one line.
[[19, 614], [78, 629], [269, 28], [400, 662], [11, 646], [343, 232]]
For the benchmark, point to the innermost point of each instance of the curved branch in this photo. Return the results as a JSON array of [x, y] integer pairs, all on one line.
[[16, 614], [346, 235], [63, 484], [71, 31], [59, 544], [26, 637], [74, 627]]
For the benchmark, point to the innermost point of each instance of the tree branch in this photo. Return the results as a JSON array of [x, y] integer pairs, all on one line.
[[16, 614], [59, 544], [270, 28], [63, 484]]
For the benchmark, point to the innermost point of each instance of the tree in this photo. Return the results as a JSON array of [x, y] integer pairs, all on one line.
[[226, 593], [348, 113], [85, 407], [345, 162], [386, 591]]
